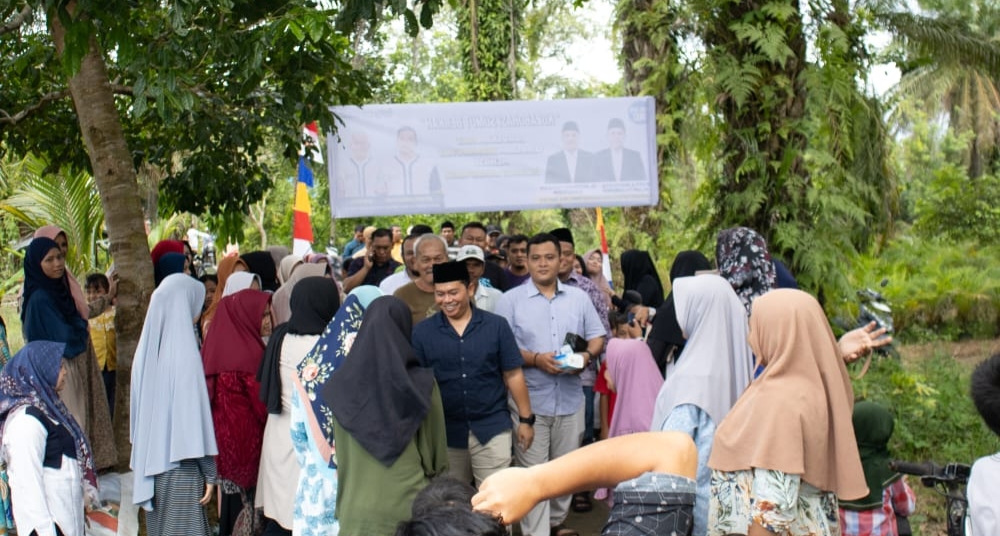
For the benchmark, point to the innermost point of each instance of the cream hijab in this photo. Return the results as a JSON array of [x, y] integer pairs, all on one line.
[[796, 417]]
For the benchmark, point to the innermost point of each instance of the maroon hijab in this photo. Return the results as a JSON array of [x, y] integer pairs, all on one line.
[[234, 343]]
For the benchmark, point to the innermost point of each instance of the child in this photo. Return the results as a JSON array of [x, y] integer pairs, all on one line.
[[889, 495], [102, 332], [984, 505]]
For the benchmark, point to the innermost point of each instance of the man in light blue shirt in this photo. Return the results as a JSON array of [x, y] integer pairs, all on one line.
[[541, 313]]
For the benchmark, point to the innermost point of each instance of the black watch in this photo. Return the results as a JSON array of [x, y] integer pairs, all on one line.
[[530, 421]]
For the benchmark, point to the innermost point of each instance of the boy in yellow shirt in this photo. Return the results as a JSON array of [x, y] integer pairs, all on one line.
[[102, 332]]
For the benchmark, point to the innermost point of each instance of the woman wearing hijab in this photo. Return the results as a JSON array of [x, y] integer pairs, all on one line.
[[173, 438], [786, 450], [312, 420], [49, 465], [49, 313], [262, 264], [59, 236], [711, 374], [594, 270], [665, 339], [287, 266], [888, 496], [313, 303], [169, 263], [744, 261], [227, 267], [278, 253], [280, 301], [640, 276], [233, 350], [164, 247], [390, 441]]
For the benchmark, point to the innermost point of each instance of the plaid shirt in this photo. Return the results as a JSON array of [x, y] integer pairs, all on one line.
[[897, 498]]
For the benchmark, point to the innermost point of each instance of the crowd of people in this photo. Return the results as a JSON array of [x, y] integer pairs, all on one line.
[[439, 383]]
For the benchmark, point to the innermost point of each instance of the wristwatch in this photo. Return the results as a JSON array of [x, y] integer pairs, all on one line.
[[530, 420]]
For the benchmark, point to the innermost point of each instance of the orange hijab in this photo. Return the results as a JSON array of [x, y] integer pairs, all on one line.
[[225, 269], [796, 417], [51, 232]]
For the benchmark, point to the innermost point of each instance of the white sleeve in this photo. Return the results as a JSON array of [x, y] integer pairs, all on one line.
[[24, 441], [984, 506]]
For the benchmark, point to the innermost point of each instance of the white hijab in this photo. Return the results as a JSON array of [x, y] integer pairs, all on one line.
[[716, 365], [170, 419], [240, 281]]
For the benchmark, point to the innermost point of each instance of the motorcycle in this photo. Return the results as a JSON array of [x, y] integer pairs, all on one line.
[[874, 307]]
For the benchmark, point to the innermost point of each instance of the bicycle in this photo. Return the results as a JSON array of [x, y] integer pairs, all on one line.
[[948, 481]]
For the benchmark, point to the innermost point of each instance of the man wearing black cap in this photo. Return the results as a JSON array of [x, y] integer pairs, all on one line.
[[617, 163], [493, 232], [476, 363], [570, 164]]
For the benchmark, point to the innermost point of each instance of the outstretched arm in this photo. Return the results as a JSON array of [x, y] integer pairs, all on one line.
[[513, 492]]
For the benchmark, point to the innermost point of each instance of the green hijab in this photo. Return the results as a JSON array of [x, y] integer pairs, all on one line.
[[873, 425]]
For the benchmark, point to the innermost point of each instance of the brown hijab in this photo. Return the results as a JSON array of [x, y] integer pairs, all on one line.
[[796, 417]]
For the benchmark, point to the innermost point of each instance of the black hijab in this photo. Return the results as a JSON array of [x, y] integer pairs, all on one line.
[[313, 303], [381, 393], [640, 275], [666, 332], [35, 279], [262, 264]]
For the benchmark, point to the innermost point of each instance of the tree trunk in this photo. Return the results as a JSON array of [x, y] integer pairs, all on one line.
[[115, 177]]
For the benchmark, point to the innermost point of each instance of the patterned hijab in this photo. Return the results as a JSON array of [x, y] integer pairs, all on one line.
[[796, 417], [317, 368], [29, 379], [51, 232], [744, 261]]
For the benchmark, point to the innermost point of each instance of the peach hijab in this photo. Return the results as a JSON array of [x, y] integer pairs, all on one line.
[[51, 232], [796, 417]]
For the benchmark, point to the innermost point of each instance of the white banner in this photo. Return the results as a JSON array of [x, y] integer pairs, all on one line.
[[485, 156]]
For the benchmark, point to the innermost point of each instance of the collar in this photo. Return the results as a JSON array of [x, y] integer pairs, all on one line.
[[560, 287], [445, 324]]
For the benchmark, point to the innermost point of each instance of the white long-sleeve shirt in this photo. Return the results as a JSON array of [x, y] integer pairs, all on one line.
[[984, 497], [42, 497]]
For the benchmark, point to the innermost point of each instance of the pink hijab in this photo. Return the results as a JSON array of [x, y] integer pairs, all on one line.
[[51, 232], [637, 382]]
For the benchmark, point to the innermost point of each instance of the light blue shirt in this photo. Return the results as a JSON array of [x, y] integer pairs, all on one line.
[[692, 420], [540, 324]]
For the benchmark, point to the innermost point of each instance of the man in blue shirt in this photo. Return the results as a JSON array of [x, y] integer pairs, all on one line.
[[354, 245], [542, 312], [476, 363]]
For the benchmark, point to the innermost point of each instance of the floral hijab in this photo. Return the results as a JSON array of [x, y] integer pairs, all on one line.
[[744, 261], [29, 379], [317, 368]]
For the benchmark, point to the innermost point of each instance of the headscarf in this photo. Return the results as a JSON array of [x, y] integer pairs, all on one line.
[[637, 381], [317, 258], [717, 365], [598, 278], [665, 328], [170, 418], [317, 368], [873, 425], [744, 261], [35, 279], [166, 246], [262, 264], [314, 301], [382, 393], [278, 253], [80, 301], [169, 263], [226, 268], [234, 344], [287, 266], [29, 379], [281, 298], [796, 417], [640, 275], [240, 281], [783, 276]]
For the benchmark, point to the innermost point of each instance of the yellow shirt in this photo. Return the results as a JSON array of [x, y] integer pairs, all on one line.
[[102, 334]]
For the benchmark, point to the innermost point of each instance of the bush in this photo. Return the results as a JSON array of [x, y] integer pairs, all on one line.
[[957, 207]]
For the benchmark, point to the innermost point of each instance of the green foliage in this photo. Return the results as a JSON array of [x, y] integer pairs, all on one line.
[[959, 208], [204, 90], [488, 43]]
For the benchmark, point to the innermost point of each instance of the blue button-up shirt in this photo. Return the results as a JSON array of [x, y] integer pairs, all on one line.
[[541, 325], [469, 371]]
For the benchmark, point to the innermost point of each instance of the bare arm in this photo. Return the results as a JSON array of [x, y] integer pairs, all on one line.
[[514, 380], [513, 492]]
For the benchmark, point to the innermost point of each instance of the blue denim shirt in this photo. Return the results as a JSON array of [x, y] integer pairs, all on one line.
[[469, 371], [540, 324]]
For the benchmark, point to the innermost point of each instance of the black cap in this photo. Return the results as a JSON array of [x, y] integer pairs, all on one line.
[[447, 272], [563, 235], [359, 228], [493, 229]]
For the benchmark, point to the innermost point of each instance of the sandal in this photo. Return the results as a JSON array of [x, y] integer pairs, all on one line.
[[563, 530], [581, 502]]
